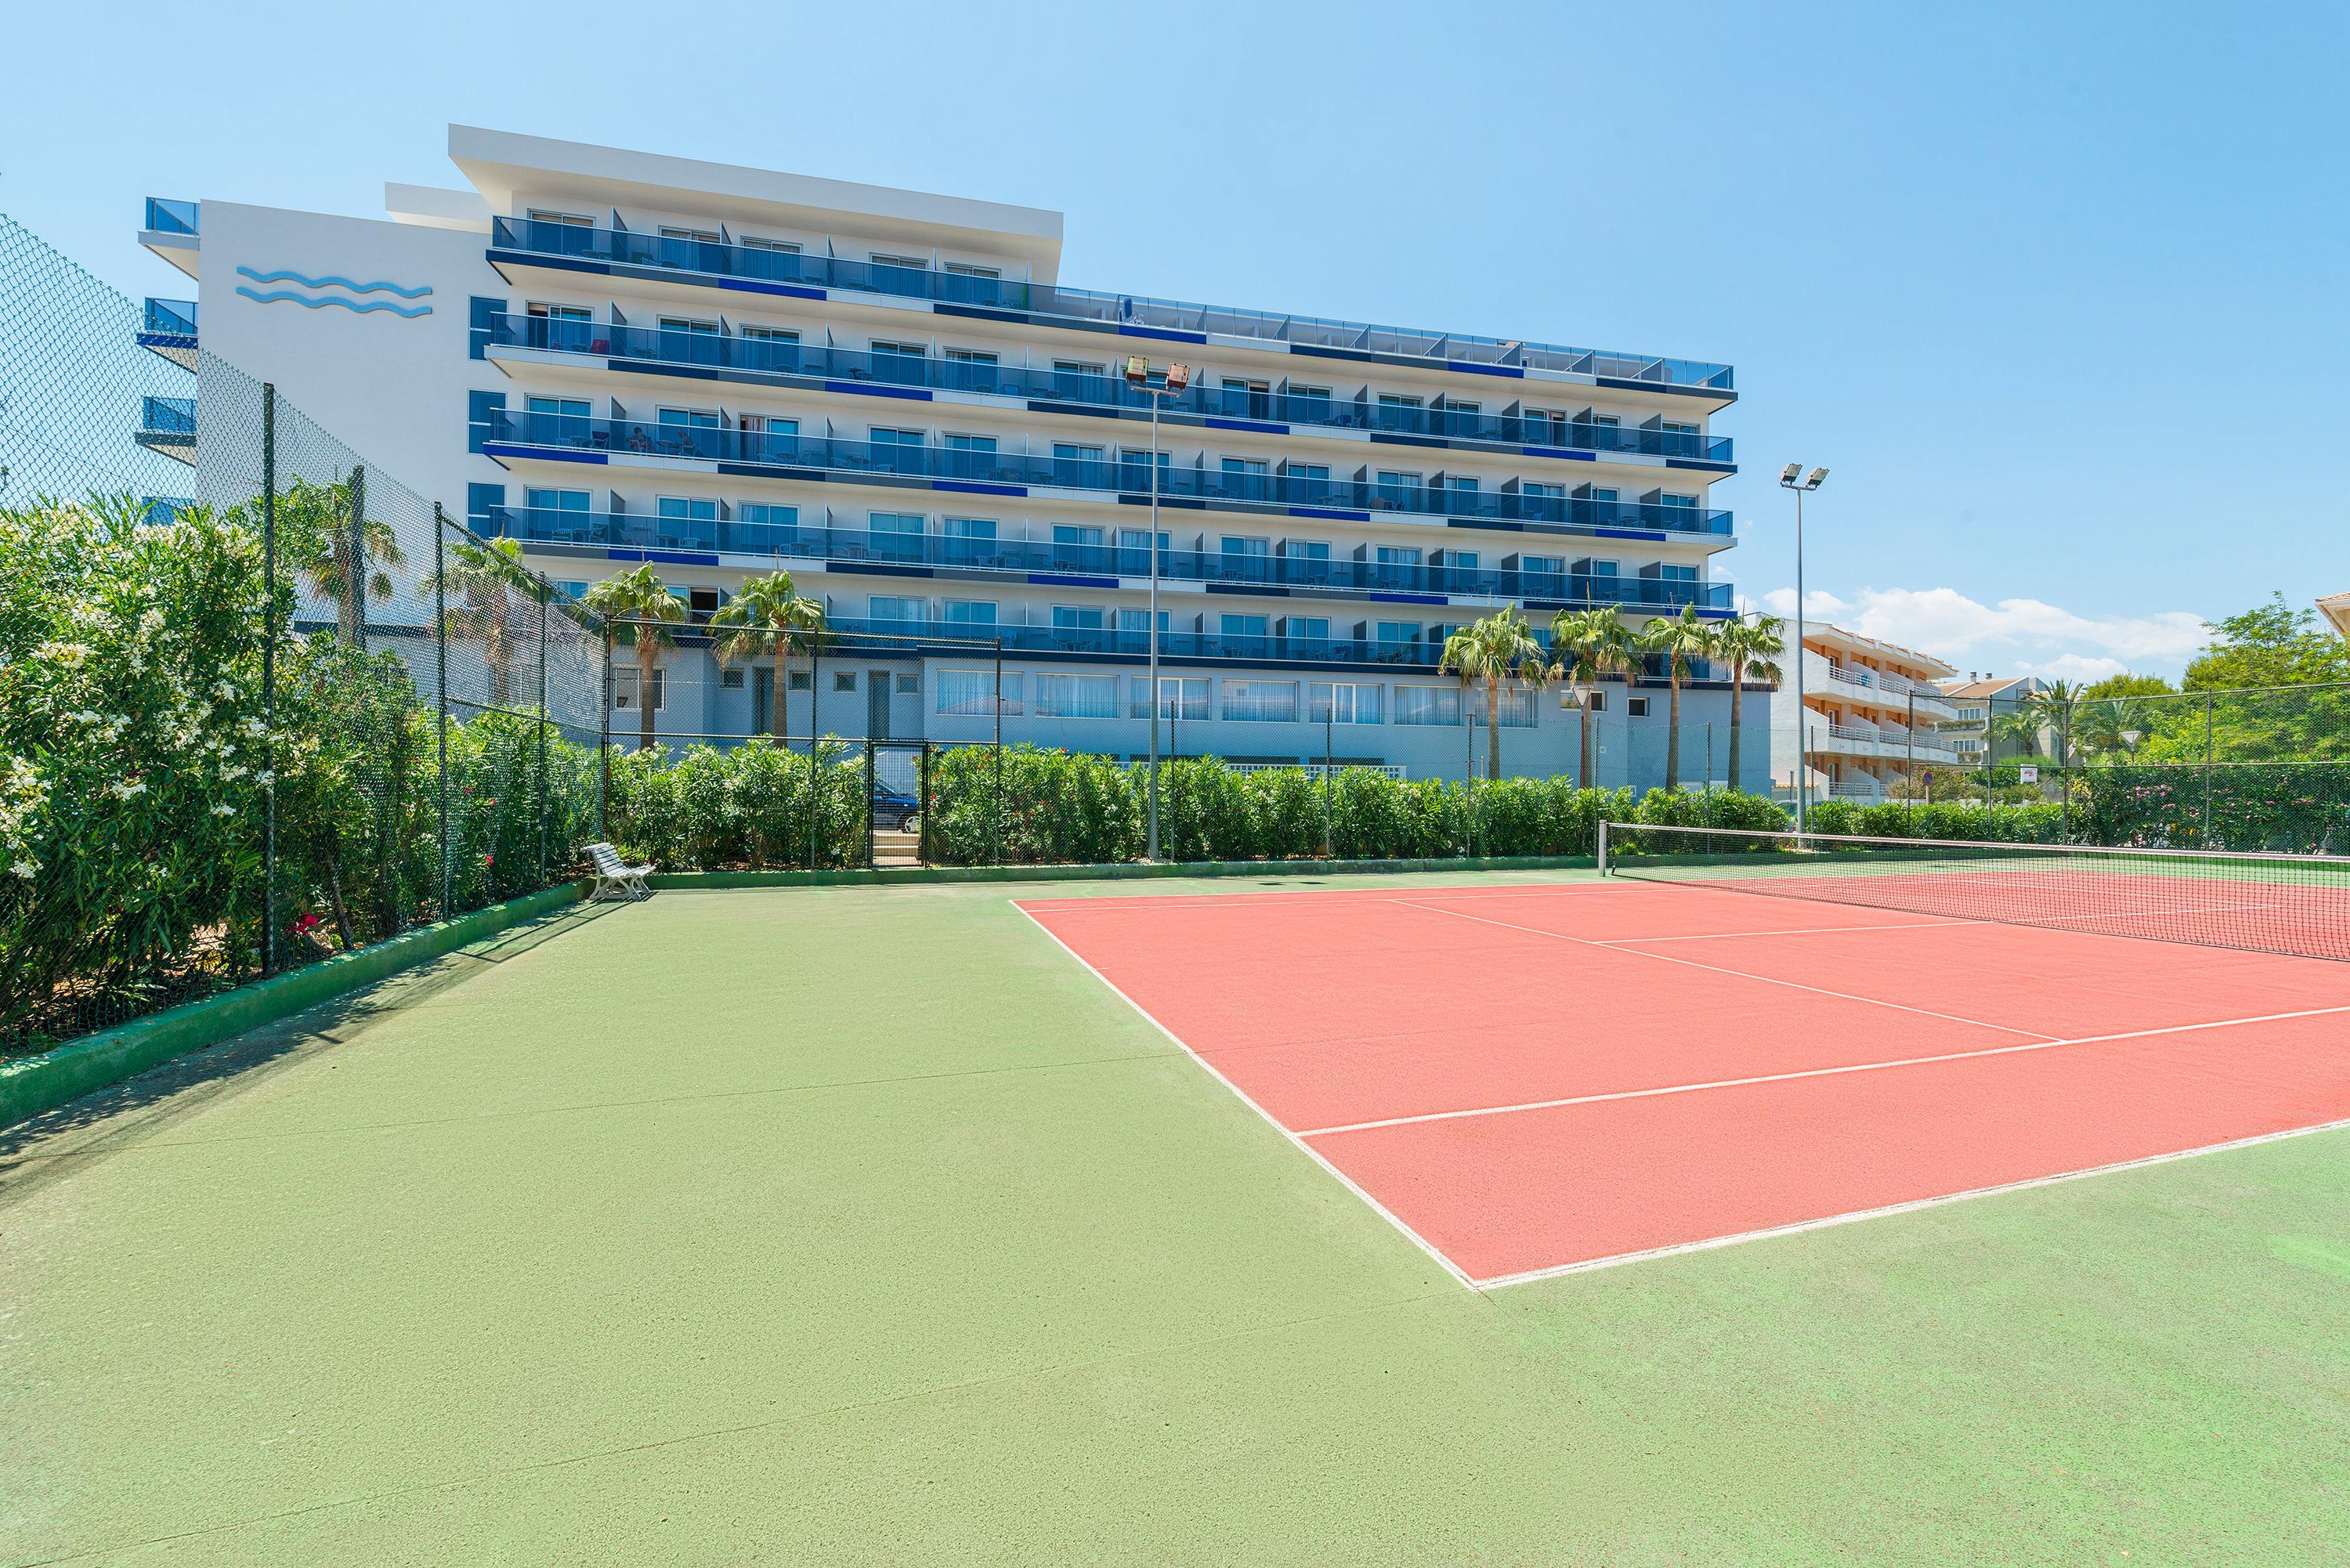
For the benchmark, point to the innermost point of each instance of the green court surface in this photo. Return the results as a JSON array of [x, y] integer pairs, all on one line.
[[863, 1225]]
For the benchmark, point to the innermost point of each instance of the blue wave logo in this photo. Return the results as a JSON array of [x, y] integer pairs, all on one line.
[[332, 281], [356, 307]]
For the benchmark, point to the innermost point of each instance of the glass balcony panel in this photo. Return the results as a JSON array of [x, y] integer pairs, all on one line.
[[165, 217], [1082, 304]]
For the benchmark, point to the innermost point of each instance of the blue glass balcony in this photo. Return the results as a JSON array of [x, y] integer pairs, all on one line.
[[1126, 476], [168, 426], [169, 217], [851, 548], [1181, 320], [169, 328], [727, 351], [881, 636]]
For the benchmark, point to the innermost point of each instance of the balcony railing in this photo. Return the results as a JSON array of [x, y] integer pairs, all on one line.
[[853, 546], [1421, 655], [165, 417], [717, 259], [1127, 475], [169, 217], [170, 317], [734, 351]]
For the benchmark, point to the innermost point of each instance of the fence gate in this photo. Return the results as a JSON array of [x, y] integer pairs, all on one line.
[[897, 835]]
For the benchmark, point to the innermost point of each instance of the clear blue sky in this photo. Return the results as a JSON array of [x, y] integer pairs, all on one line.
[[2058, 292]]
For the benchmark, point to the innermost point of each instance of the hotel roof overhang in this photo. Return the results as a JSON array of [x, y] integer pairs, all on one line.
[[2335, 607], [505, 166]]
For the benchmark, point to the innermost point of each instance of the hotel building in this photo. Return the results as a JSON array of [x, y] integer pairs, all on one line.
[[618, 358], [1871, 714]]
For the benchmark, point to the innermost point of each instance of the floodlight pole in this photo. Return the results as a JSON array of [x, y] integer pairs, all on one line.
[[1150, 852], [1175, 378], [1789, 479]]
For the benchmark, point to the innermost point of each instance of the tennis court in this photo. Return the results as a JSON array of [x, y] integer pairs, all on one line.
[[1535, 1080], [865, 1225]]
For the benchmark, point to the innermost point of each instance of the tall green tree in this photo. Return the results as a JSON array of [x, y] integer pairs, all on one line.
[[763, 618], [1750, 649], [490, 586], [1682, 640], [339, 562], [1589, 646], [1496, 649], [639, 605]]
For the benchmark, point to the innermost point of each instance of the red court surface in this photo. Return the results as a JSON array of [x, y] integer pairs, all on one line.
[[1532, 1079]]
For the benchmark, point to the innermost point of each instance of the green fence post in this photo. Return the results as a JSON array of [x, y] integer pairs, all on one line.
[[269, 676], [441, 690]]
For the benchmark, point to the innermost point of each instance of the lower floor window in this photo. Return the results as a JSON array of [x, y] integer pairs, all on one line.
[[1272, 702], [1517, 709], [971, 693], [623, 690], [1342, 702], [1180, 697], [1077, 696], [1427, 705]]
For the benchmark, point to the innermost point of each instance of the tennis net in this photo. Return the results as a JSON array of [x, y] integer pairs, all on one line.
[[2296, 904]]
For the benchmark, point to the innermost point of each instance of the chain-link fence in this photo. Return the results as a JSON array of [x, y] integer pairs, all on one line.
[[259, 701]]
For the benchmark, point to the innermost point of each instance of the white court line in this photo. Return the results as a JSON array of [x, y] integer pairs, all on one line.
[[1742, 974], [1649, 1254], [1803, 932], [1811, 1072], [1091, 902], [1349, 1182]]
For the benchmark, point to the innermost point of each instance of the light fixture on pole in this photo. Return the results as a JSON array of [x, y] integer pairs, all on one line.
[[1171, 385], [1790, 477]]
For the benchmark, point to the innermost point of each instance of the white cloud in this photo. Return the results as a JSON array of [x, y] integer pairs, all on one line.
[[2080, 667], [1817, 601], [2027, 636]]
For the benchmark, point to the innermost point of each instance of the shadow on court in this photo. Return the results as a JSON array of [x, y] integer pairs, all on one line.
[[34, 1152]]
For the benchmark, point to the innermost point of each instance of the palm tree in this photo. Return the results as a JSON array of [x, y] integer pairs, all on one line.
[[1751, 649], [2050, 710], [1590, 645], [336, 560], [486, 579], [641, 602], [763, 617], [1682, 640], [2106, 726], [1497, 649]]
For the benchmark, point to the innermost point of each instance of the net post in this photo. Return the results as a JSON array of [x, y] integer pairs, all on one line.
[[868, 792], [1603, 846]]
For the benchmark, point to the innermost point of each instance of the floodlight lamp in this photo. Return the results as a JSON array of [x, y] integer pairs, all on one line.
[[1814, 481], [1137, 370], [1789, 475], [1177, 377]]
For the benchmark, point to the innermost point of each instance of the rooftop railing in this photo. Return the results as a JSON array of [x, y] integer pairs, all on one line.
[[737, 351], [1130, 474], [165, 217], [855, 546], [720, 259]]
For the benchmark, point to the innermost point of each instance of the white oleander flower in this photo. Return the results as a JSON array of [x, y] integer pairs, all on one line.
[[225, 689], [27, 869], [232, 772], [126, 788], [266, 776], [70, 654], [223, 809]]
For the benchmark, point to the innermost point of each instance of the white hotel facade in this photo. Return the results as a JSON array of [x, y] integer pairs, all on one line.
[[616, 357]]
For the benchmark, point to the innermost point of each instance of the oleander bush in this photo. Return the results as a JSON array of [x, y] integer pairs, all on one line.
[[133, 760]]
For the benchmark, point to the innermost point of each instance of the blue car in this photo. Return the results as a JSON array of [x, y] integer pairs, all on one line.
[[893, 808]]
